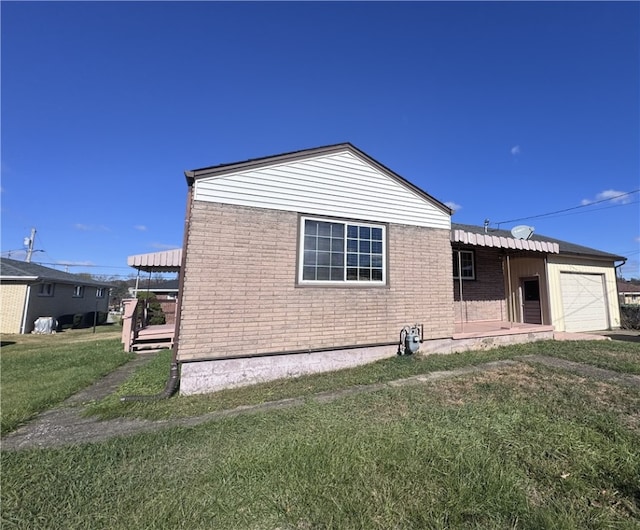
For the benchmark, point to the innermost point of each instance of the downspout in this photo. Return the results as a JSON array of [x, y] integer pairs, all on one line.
[[25, 310], [460, 288], [173, 381]]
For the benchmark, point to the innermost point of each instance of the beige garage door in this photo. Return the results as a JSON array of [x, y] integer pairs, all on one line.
[[584, 302]]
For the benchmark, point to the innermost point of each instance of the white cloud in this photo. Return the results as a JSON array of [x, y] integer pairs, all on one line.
[[615, 196], [89, 228], [163, 246], [619, 197], [515, 150], [638, 239], [454, 206], [142, 228], [77, 263]]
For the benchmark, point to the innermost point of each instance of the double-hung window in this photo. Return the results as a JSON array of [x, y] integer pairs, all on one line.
[[463, 260], [342, 252], [78, 291]]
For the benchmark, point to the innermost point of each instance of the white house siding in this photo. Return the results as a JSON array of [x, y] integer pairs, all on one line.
[[12, 297], [340, 185], [562, 265]]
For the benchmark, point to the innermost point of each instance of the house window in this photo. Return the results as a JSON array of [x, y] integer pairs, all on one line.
[[100, 292], [342, 252], [464, 258], [78, 291], [45, 289]]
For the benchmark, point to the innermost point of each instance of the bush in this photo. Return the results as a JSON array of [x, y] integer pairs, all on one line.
[[630, 316], [155, 314]]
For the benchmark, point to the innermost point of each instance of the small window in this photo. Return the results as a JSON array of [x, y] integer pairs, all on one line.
[[341, 252], [464, 259], [100, 291], [78, 291], [45, 289]]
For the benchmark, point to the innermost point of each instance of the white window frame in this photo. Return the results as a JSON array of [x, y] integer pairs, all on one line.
[[456, 262], [78, 291], [46, 289], [344, 282], [100, 292]]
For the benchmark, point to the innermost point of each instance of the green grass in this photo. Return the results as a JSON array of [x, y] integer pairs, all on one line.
[[523, 447], [620, 356], [40, 371]]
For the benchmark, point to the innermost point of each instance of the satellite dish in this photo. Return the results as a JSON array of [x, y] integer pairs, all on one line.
[[522, 231]]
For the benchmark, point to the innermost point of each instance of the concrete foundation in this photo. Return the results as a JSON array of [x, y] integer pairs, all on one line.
[[209, 376]]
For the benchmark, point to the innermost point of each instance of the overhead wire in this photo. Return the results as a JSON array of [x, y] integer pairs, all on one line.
[[616, 197]]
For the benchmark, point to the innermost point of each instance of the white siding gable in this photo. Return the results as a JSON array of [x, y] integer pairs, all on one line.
[[337, 184]]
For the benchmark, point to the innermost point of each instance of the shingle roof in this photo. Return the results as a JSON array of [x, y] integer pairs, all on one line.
[[565, 246], [32, 271], [628, 287]]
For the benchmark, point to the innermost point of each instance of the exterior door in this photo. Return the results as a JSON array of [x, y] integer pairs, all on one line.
[[531, 313]]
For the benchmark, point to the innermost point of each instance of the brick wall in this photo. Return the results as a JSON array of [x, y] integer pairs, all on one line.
[[484, 297], [240, 293]]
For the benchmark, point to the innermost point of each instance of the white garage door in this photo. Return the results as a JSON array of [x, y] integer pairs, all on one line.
[[584, 302]]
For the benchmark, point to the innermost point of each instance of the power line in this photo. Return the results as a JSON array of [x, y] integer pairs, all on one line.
[[569, 209]]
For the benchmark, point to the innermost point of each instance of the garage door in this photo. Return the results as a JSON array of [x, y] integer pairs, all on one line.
[[584, 302]]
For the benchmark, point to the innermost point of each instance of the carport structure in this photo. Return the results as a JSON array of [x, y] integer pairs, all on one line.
[[136, 332]]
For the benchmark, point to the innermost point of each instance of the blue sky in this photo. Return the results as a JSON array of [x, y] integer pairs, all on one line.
[[503, 110]]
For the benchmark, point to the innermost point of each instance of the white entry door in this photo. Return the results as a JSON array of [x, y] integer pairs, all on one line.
[[584, 302]]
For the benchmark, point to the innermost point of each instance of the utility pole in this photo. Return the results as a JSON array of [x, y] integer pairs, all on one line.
[[29, 241]]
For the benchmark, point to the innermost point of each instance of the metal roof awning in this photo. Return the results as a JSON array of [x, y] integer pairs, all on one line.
[[165, 261], [487, 240]]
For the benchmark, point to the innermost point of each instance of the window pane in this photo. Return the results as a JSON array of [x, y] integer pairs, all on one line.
[[352, 274], [309, 242], [376, 275], [323, 273], [365, 232], [365, 247], [352, 260], [364, 275], [337, 260], [311, 228], [352, 231], [324, 243], [337, 245], [337, 275], [376, 234], [309, 273], [352, 245], [365, 260], [324, 229], [309, 258], [376, 247], [337, 230], [376, 261], [324, 258]]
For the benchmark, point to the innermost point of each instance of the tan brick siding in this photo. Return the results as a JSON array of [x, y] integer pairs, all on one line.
[[483, 298], [240, 293], [12, 298]]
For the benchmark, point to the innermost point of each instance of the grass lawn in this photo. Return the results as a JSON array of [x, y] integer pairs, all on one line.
[[521, 447], [620, 356], [39, 371]]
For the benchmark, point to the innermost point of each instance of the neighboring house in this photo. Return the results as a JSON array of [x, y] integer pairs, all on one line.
[[29, 291], [629, 292], [318, 259], [165, 292]]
